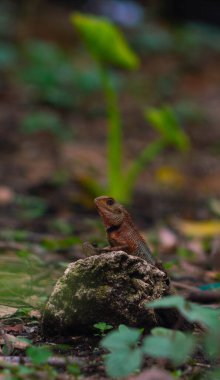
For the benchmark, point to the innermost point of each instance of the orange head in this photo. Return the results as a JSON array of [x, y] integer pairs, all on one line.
[[111, 212]]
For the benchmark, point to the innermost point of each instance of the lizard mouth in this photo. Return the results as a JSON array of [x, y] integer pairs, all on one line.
[[104, 201]]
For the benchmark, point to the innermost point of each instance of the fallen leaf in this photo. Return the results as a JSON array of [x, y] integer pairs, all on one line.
[[7, 311], [16, 328], [192, 270], [16, 342], [196, 247], [35, 314], [205, 228], [168, 240], [169, 176], [6, 195]]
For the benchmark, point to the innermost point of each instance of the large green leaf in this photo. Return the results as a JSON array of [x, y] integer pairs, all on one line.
[[123, 363], [124, 357], [192, 312], [104, 41], [175, 346]]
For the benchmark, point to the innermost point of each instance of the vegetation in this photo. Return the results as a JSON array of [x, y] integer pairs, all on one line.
[[108, 47], [127, 351]]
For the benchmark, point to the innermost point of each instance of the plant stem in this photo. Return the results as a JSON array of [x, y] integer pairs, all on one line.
[[145, 157], [114, 155]]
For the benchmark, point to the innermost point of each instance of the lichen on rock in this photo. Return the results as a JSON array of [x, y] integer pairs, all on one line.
[[110, 287]]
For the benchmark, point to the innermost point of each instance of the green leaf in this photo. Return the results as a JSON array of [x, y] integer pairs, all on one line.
[[192, 312], [168, 333], [212, 375], [176, 347], [38, 355], [121, 339], [211, 344], [122, 363], [166, 123], [74, 369], [104, 41], [102, 326], [125, 357], [40, 121]]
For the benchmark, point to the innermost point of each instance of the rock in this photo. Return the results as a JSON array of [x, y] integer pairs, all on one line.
[[110, 287]]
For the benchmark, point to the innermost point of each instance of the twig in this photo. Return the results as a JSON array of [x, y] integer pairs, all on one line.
[[197, 295]]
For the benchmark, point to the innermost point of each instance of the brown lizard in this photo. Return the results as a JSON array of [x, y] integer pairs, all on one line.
[[120, 229]]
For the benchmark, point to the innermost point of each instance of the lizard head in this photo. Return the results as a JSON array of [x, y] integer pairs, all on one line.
[[111, 212]]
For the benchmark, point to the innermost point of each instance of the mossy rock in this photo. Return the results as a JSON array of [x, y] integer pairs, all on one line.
[[112, 288]]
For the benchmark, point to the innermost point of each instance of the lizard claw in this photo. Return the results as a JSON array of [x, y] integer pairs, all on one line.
[[88, 249]]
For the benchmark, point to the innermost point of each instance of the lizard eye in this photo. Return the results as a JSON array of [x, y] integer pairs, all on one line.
[[110, 202]]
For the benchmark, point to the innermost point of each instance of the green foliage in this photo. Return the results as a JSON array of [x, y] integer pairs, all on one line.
[[14, 235], [125, 357], [127, 352], [189, 112], [107, 46], [192, 312], [30, 207], [74, 370], [50, 76], [25, 281], [8, 55], [212, 375], [169, 344], [39, 121], [62, 226], [38, 355], [208, 317], [102, 328], [191, 41], [55, 244], [166, 123], [152, 39], [104, 41]]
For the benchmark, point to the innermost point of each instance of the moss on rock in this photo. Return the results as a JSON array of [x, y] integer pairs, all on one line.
[[111, 287]]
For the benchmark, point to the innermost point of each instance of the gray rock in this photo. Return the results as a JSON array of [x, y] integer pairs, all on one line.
[[110, 287]]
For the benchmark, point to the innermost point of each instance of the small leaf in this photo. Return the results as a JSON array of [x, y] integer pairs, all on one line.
[[176, 348], [165, 122], [122, 339], [104, 41], [102, 326], [74, 369], [38, 355]]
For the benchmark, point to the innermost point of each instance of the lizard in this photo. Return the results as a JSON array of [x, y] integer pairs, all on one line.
[[121, 231]]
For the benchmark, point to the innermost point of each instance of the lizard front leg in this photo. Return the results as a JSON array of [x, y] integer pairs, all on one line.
[[90, 250]]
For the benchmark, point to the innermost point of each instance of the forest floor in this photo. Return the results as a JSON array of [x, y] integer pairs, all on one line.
[[46, 210]]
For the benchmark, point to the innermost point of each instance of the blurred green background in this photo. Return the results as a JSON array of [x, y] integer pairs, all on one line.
[[67, 134]]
